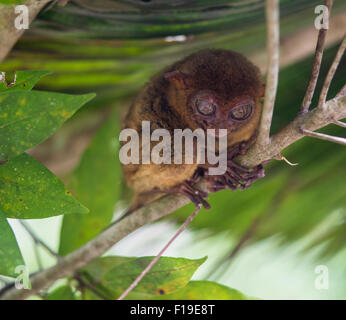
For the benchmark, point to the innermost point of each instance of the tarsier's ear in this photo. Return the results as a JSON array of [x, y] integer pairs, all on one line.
[[179, 79]]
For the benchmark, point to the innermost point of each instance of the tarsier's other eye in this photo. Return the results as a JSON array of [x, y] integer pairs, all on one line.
[[205, 107], [241, 112]]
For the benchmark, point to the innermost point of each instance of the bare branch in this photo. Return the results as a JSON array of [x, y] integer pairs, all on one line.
[[340, 123], [159, 255], [273, 32], [331, 74], [316, 65], [323, 136], [312, 120], [9, 34]]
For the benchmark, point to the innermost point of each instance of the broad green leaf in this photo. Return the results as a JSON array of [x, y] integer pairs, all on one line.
[[204, 290], [25, 80], [64, 292], [167, 276], [10, 255], [29, 117], [94, 271], [97, 268], [28, 190], [96, 182]]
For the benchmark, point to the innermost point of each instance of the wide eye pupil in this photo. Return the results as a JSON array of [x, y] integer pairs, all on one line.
[[241, 112], [205, 107]]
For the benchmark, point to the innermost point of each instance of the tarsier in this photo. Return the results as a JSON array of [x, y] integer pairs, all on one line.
[[210, 89]]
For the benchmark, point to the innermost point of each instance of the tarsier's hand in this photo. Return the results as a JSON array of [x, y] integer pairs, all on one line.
[[236, 176]]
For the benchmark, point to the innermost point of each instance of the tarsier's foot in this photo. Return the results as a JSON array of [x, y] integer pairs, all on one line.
[[236, 177], [187, 189]]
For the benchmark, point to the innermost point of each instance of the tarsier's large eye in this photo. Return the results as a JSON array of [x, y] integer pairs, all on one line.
[[241, 112], [205, 107]]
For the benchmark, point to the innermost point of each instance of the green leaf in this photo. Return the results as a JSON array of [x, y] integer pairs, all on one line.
[[204, 290], [28, 190], [62, 293], [29, 117], [10, 255], [12, 2], [167, 276], [96, 182], [26, 80]]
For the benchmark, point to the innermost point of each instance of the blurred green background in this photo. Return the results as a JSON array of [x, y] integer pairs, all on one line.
[[265, 241]]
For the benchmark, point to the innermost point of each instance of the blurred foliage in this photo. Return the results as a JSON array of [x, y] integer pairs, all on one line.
[[135, 19]]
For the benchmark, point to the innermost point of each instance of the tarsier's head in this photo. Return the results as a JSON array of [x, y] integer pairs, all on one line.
[[218, 89]]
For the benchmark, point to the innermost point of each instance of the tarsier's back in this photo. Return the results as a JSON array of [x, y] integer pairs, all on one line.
[[210, 89]]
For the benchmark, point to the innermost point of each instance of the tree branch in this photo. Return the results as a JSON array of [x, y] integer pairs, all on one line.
[[272, 16], [340, 123], [323, 136], [9, 34], [312, 120], [316, 64]]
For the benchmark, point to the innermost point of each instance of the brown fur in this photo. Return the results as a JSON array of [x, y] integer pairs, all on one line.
[[165, 103]]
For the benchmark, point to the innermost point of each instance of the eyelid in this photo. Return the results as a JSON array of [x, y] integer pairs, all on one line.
[[244, 102], [241, 106]]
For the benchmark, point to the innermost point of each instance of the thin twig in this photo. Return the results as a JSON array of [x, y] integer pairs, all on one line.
[[340, 123], [273, 34], [323, 136], [37, 240], [280, 157], [331, 72], [316, 64], [38, 257], [156, 259]]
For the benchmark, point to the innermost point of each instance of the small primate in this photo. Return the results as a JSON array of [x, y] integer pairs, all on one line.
[[209, 89]]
